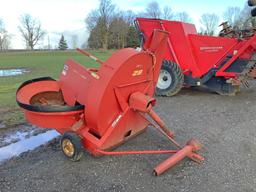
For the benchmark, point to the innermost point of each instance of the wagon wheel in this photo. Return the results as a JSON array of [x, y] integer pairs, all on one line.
[[253, 12], [251, 2], [71, 146], [170, 79]]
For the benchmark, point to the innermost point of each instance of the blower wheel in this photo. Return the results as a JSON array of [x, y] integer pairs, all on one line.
[[170, 80], [71, 146]]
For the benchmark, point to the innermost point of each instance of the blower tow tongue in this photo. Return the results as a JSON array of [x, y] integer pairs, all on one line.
[[100, 109]]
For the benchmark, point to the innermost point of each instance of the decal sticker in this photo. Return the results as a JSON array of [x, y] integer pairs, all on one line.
[[65, 70], [137, 72], [211, 49]]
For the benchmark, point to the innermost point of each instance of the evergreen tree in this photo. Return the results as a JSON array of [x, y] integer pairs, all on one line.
[[132, 37], [63, 43]]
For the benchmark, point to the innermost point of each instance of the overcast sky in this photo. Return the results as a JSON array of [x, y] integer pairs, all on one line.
[[67, 16]]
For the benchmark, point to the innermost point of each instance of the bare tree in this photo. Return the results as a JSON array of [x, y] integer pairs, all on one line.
[[102, 17], [232, 15], [4, 37], [183, 16], [118, 32], [31, 30], [167, 13], [129, 16], [92, 19], [210, 23], [153, 10]]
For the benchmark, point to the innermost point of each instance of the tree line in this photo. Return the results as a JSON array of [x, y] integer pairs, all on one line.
[[111, 28]]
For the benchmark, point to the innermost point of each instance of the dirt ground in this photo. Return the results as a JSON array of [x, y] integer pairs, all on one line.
[[225, 125]]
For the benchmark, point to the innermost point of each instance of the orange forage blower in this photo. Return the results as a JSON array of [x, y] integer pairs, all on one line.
[[99, 109]]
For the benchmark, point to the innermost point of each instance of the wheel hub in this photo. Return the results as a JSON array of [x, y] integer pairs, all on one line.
[[164, 80], [68, 147]]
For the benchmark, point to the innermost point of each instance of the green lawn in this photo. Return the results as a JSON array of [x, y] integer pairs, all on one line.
[[39, 64]]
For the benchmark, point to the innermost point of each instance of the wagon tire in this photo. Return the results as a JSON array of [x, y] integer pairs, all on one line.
[[71, 146], [253, 12], [170, 80], [251, 3]]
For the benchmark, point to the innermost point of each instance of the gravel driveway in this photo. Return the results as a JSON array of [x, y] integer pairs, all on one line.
[[225, 125]]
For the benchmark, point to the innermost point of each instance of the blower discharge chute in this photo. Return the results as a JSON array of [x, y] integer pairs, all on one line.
[[221, 64], [99, 109]]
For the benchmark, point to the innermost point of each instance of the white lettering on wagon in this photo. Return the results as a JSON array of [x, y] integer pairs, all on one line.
[[211, 49]]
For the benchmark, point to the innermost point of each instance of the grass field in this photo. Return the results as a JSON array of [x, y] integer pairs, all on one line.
[[39, 64]]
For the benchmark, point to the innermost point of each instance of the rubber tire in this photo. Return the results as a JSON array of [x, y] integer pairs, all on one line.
[[76, 141], [177, 79], [251, 3], [253, 12]]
